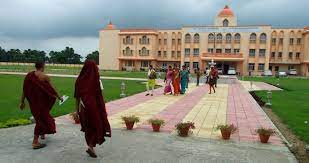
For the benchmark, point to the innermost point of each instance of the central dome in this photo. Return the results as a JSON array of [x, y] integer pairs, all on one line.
[[226, 12]]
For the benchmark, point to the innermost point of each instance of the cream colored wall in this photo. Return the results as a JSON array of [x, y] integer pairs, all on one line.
[[286, 47], [169, 35], [109, 50]]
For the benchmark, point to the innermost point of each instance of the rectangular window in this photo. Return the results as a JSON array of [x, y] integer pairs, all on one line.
[[273, 41], [280, 55], [173, 41], [187, 51], [228, 51], [144, 63], [298, 41], [196, 51], [290, 55], [290, 67], [179, 41], [218, 50], [173, 54], [210, 50], [236, 51], [165, 41], [160, 42], [159, 53], [273, 54], [195, 65], [129, 63], [276, 68], [291, 41], [262, 52], [178, 54], [164, 65], [261, 66], [297, 55], [251, 66], [270, 68], [281, 41], [164, 54], [252, 52], [187, 64]]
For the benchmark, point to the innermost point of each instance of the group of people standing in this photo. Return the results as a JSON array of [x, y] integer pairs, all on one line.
[[176, 81], [90, 105]]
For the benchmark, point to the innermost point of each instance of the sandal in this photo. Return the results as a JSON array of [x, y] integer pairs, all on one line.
[[91, 153], [38, 146]]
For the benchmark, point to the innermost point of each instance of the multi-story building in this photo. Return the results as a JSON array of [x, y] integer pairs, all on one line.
[[247, 48]]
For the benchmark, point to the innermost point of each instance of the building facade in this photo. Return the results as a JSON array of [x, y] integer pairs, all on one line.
[[251, 48]]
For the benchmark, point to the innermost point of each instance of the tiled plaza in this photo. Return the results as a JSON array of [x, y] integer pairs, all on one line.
[[231, 104]]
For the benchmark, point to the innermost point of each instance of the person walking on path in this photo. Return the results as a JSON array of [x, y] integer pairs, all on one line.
[[151, 80], [168, 80], [216, 76], [198, 75], [212, 78], [176, 80], [41, 96], [184, 77], [90, 107], [207, 74]]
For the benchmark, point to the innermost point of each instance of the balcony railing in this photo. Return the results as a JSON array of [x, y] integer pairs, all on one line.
[[223, 55]]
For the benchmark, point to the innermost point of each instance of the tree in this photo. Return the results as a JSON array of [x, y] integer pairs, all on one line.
[[66, 56], [3, 55], [14, 55], [94, 56], [34, 56]]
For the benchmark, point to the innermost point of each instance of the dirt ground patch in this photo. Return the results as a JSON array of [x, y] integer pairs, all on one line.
[[298, 147]]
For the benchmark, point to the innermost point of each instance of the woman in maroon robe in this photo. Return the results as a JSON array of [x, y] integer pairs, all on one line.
[[91, 107], [41, 97]]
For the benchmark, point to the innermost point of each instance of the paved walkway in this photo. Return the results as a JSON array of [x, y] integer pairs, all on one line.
[[230, 104]]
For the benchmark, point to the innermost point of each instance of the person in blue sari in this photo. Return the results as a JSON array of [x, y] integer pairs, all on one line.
[[184, 79]]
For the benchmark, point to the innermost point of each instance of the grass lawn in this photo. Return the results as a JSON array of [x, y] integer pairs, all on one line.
[[11, 87], [292, 104], [73, 70]]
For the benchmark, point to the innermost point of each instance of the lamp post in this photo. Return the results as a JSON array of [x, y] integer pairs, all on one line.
[[269, 97], [123, 88], [251, 84]]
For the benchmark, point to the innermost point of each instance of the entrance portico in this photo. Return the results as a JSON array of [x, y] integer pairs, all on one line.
[[224, 61]]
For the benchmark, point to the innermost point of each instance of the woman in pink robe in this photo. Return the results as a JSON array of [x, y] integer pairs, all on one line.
[[169, 79]]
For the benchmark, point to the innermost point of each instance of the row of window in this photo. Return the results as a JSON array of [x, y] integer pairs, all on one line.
[[165, 54], [297, 55], [274, 41], [129, 52], [143, 40], [262, 52], [173, 41], [261, 66], [211, 38], [195, 64]]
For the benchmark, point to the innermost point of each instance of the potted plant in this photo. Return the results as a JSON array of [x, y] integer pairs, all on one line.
[[226, 130], [156, 124], [265, 133], [129, 121], [183, 128], [75, 117]]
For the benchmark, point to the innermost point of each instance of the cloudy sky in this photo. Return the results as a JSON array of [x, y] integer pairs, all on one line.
[[54, 24]]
